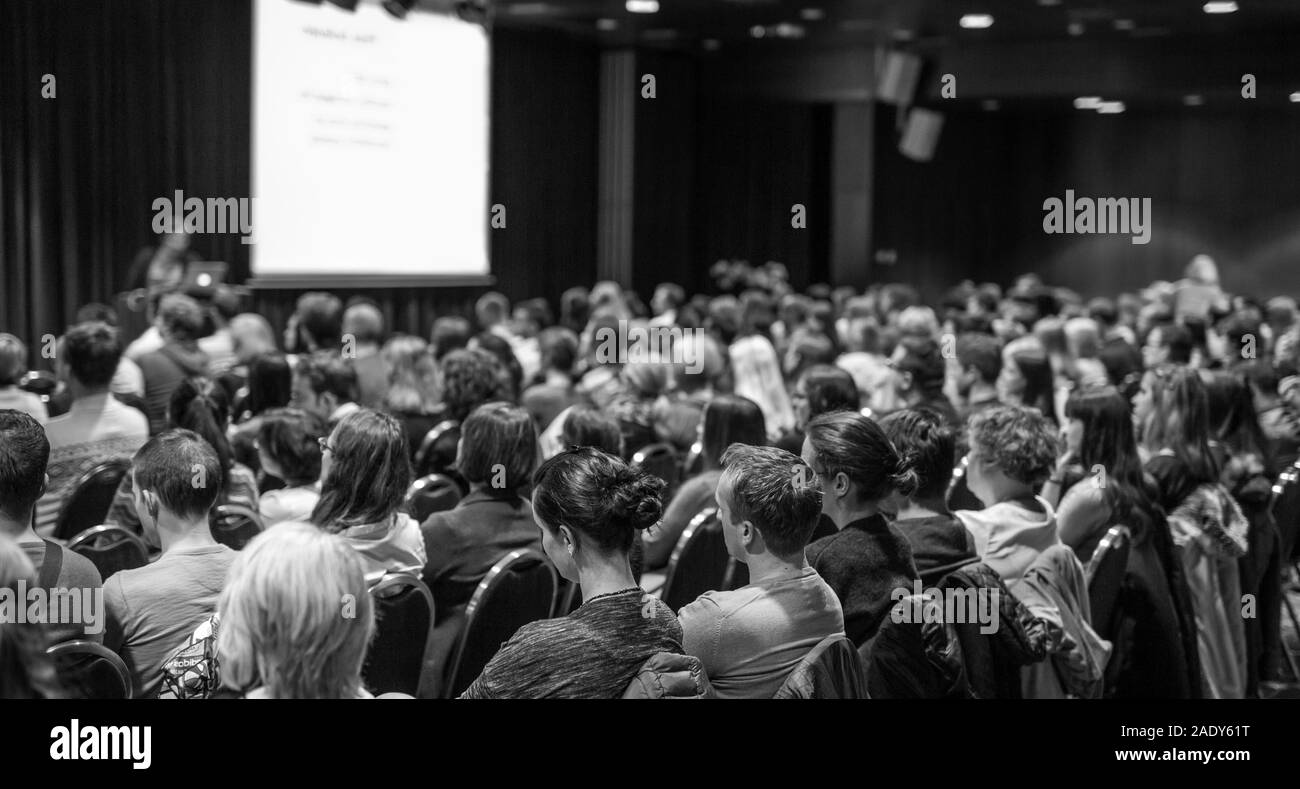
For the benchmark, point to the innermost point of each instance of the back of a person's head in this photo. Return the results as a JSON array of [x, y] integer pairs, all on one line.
[[1083, 337], [202, 405], [927, 445], [25, 670], [1017, 440], [829, 389], [575, 308], [864, 334], [96, 311], [598, 496], [13, 360], [730, 419], [270, 382], [559, 349], [327, 371], [812, 348], [180, 317], [491, 309], [767, 487], [179, 471], [923, 361], [848, 443], [1103, 311], [470, 377], [586, 426], [1202, 269], [450, 332], [280, 623], [320, 315], [510, 373], [251, 336], [1179, 341], [983, 352], [412, 376], [364, 324], [290, 437], [368, 474], [498, 447], [24, 453], [92, 352], [669, 295]]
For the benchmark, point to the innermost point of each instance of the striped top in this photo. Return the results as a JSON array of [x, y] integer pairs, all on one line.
[[593, 653]]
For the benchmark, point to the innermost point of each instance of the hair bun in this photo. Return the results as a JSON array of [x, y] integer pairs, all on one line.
[[636, 498], [905, 479]]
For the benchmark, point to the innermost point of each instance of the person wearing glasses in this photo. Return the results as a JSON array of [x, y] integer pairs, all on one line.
[[364, 475]]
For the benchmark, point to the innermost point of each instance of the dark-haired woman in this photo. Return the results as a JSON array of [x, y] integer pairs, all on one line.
[[1027, 378], [728, 419], [819, 390], [365, 473], [868, 558], [588, 506], [269, 386], [288, 448], [201, 405]]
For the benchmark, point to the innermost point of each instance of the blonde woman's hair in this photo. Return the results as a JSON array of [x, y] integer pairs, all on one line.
[[757, 375], [296, 616], [413, 386]]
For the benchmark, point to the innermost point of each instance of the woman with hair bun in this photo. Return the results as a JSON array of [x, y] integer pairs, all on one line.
[[867, 558], [589, 506]]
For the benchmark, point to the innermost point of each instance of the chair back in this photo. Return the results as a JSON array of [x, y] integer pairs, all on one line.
[[90, 670], [90, 497], [234, 525], [832, 670], [693, 463], [1285, 506], [699, 561], [431, 493], [41, 383], [519, 589], [111, 548], [959, 496], [404, 618], [1105, 574], [437, 452], [661, 461]]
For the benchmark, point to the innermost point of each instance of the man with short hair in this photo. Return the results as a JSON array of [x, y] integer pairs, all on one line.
[[921, 375], [180, 321], [1170, 343], [324, 384], [152, 610], [750, 639], [980, 358], [24, 453], [316, 323], [363, 331], [97, 426]]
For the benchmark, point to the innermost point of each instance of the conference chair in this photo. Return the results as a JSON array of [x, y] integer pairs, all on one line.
[[660, 460], [90, 497], [234, 525], [698, 563], [959, 496], [437, 452], [832, 670], [431, 493], [40, 383], [693, 463], [111, 548], [519, 589], [404, 618], [90, 671], [1105, 578], [568, 599]]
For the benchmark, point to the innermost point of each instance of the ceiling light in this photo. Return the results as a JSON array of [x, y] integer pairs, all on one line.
[[1110, 107], [607, 24], [1295, 97], [787, 30], [758, 31], [642, 6], [977, 21], [1076, 28], [812, 14], [1087, 102], [1193, 100], [1220, 7]]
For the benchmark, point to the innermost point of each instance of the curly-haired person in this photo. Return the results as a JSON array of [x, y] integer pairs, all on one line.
[[1012, 451]]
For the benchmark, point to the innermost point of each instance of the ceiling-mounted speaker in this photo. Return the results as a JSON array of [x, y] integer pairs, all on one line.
[[897, 78], [921, 134]]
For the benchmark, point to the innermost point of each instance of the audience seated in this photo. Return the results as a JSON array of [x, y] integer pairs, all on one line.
[[979, 358], [180, 322], [315, 325], [553, 393], [820, 389], [363, 331], [281, 635], [324, 384], [13, 366], [25, 670], [411, 392], [749, 640], [152, 609], [288, 447], [268, 385]]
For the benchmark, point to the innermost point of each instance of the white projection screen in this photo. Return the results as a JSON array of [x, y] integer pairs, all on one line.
[[370, 143]]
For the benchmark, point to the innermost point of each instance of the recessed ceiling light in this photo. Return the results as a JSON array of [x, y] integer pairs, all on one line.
[[1193, 100], [607, 24], [788, 30], [1076, 28], [711, 44], [642, 6], [1087, 102], [1124, 24], [812, 14], [758, 31], [1220, 7], [1110, 107], [1295, 97], [990, 105], [976, 21]]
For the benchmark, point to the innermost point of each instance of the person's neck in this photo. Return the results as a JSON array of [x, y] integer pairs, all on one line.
[[476, 488], [849, 515], [81, 392], [981, 392], [605, 575], [1013, 494], [765, 566], [175, 534], [19, 528], [916, 509]]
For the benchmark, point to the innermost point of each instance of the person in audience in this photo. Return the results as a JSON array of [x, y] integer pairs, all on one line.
[[269, 386], [288, 447], [412, 396], [199, 405], [868, 366], [1168, 344], [667, 298], [1171, 412], [819, 390], [450, 333], [757, 376], [728, 419], [365, 472], [180, 321], [634, 407], [807, 349], [920, 375], [750, 639], [586, 426], [979, 357], [510, 372], [280, 634], [24, 453], [97, 426], [253, 339], [588, 505], [326, 385], [154, 608], [858, 470], [1026, 378], [1281, 432], [315, 325], [553, 393], [26, 672], [575, 309], [695, 378], [216, 339], [939, 542], [127, 379], [13, 366], [1012, 452], [363, 331], [469, 379]]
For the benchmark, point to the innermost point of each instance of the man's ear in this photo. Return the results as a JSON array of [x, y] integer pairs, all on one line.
[[840, 485], [568, 539], [151, 503], [748, 533]]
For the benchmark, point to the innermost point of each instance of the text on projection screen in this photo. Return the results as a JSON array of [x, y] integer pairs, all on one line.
[[370, 142]]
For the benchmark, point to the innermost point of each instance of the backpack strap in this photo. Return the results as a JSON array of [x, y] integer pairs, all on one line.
[[51, 566]]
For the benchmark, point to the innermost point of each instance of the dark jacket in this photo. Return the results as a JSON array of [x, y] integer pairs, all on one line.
[[940, 544], [670, 676], [864, 563], [163, 370]]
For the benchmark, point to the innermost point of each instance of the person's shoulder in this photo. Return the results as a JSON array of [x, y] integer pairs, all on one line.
[[78, 571]]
